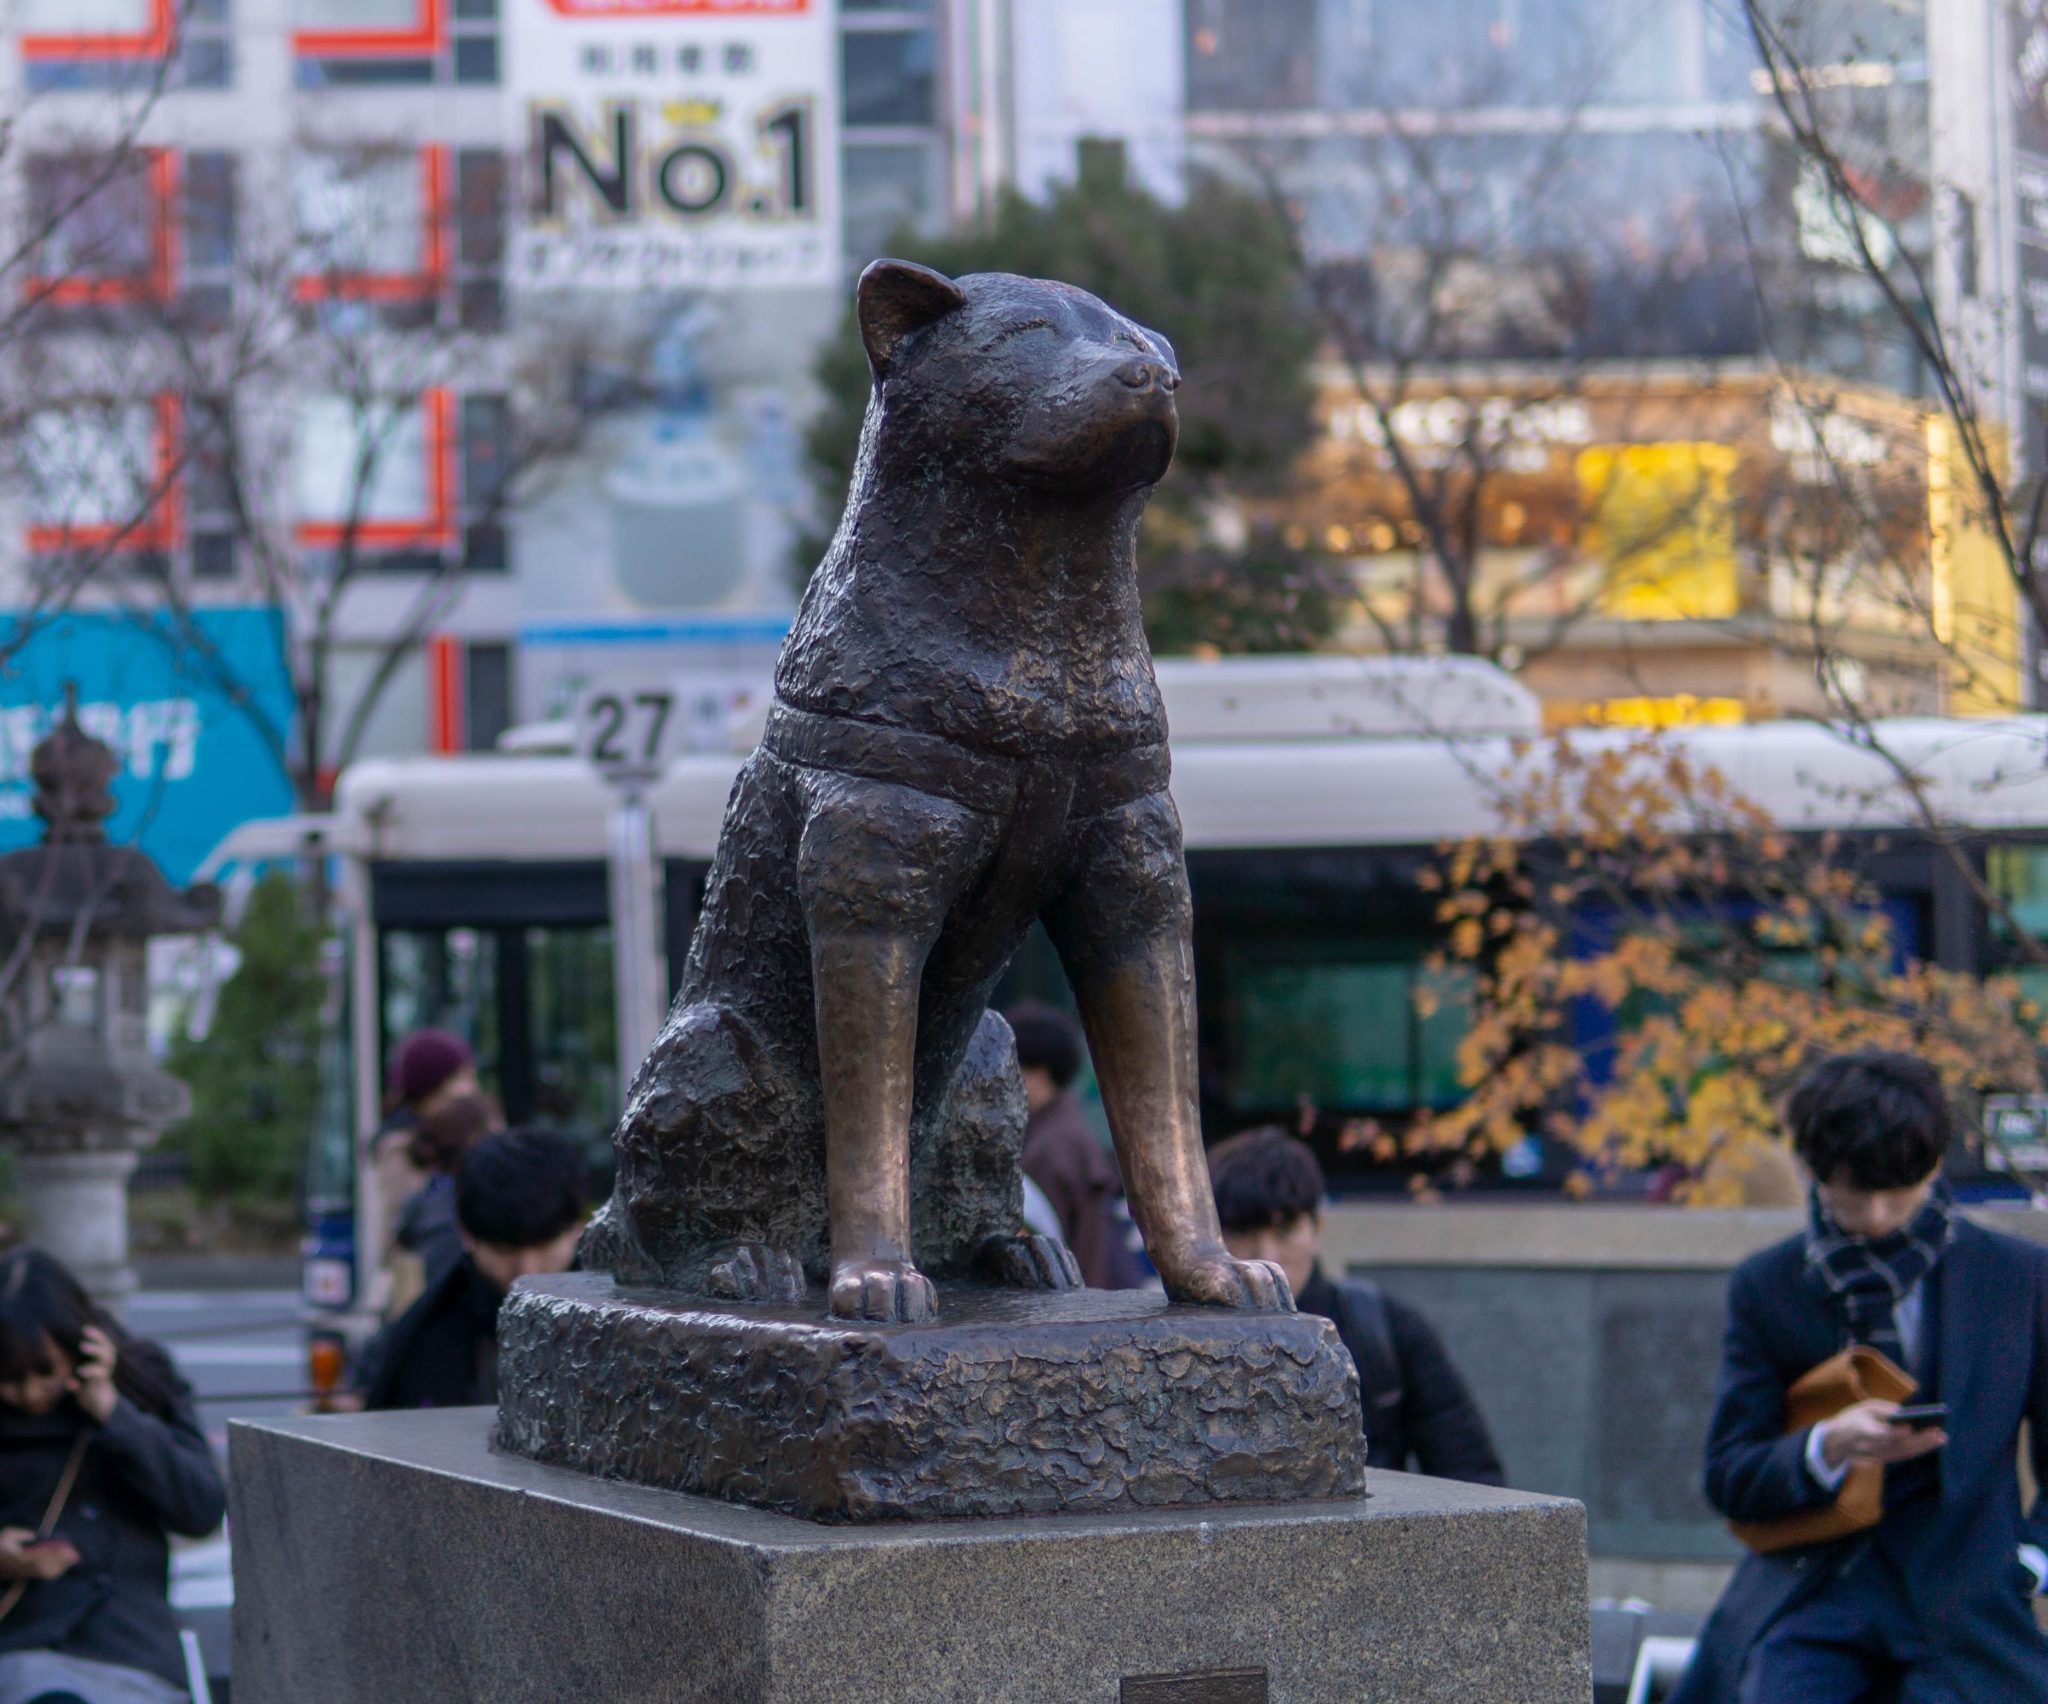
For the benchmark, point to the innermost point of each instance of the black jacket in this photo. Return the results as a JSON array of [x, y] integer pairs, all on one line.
[[142, 1477], [1418, 1413], [427, 1227], [1956, 1547], [442, 1352]]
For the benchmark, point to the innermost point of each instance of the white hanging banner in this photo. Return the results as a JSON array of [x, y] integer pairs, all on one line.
[[676, 144]]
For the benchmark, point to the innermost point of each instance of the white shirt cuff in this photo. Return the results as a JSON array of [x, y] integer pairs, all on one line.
[[1828, 1478], [2035, 1560]]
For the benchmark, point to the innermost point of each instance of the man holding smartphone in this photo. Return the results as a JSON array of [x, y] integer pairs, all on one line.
[[1932, 1605]]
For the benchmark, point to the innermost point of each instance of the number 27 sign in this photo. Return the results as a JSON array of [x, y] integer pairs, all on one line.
[[629, 734]]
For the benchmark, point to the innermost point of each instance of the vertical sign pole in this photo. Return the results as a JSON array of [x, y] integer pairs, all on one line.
[[639, 961]]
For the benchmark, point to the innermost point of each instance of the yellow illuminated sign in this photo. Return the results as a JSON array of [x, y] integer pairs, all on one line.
[[1659, 520], [1976, 607], [1680, 710]]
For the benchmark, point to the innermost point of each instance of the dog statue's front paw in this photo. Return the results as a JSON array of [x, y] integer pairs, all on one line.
[[1031, 1262], [890, 1290], [1220, 1280], [755, 1272]]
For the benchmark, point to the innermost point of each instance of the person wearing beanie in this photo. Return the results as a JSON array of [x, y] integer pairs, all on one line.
[[430, 1070], [431, 1067]]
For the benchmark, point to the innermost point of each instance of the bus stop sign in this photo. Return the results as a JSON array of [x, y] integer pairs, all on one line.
[[630, 735]]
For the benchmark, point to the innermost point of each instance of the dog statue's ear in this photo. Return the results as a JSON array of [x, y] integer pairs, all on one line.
[[897, 297]]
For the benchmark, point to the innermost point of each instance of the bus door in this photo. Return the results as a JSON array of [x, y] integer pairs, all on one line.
[[517, 960]]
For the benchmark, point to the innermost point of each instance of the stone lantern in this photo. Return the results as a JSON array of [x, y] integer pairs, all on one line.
[[80, 1096]]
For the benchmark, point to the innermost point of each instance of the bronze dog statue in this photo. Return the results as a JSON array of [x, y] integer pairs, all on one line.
[[967, 736]]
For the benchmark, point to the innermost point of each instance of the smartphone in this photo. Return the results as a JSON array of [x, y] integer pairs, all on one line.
[[1920, 1417]]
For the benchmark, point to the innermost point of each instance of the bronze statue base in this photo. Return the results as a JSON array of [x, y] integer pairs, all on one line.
[[1010, 1403]]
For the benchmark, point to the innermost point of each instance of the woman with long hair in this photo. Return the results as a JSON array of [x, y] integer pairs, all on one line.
[[101, 1459]]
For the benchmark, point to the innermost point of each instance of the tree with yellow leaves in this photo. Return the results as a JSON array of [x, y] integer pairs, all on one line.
[[1633, 896]]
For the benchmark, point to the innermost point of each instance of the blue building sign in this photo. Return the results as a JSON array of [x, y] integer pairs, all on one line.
[[195, 763]]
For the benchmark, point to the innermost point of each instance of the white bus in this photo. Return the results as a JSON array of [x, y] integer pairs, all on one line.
[[1312, 792]]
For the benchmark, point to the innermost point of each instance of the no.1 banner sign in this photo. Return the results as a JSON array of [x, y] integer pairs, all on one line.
[[677, 143]]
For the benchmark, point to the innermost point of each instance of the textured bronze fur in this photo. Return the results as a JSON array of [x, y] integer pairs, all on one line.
[[967, 737]]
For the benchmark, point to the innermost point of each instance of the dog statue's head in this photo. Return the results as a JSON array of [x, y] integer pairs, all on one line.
[[1018, 378]]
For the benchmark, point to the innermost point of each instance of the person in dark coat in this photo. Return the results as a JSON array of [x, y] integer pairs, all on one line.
[[1933, 1605], [519, 1203], [1418, 1413], [89, 1411], [1061, 1154], [427, 1226]]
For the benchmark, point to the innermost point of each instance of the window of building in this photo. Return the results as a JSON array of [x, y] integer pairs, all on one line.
[[208, 209], [102, 477], [119, 238], [887, 186], [892, 155], [487, 695], [104, 226], [891, 77], [1251, 55], [357, 43], [377, 475], [206, 45], [113, 44], [486, 465], [1660, 520], [206, 237], [473, 42], [481, 185], [209, 495], [371, 227]]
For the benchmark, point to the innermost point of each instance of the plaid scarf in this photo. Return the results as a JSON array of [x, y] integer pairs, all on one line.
[[1867, 1278]]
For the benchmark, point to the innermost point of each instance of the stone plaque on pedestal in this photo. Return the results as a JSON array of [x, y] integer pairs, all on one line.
[[1012, 1402]]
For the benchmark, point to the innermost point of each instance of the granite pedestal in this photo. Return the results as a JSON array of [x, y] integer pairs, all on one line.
[[1011, 1402], [397, 1557]]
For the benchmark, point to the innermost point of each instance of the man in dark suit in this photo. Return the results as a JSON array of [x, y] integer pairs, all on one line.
[[1932, 1604]]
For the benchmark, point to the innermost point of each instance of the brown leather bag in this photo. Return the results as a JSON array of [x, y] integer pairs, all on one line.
[[1839, 1382]]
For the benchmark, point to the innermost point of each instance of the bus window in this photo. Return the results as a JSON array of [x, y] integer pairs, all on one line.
[[2018, 877], [534, 1003], [1343, 1031], [446, 979], [1442, 1003], [570, 1034]]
